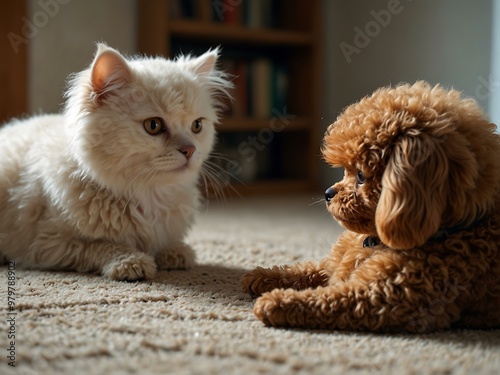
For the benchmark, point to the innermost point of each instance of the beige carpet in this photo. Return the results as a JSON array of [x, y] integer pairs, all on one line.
[[199, 321]]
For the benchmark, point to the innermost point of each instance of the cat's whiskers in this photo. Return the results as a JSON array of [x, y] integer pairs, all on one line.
[[219, 175], [218, 178], [220, 156], [214, 180]]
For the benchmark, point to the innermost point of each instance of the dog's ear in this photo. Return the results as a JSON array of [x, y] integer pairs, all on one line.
[[414, 191]]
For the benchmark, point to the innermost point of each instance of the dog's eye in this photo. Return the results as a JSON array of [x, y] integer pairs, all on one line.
[[361, 178]]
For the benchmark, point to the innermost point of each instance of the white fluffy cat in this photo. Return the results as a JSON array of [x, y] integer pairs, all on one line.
[[110, 185]]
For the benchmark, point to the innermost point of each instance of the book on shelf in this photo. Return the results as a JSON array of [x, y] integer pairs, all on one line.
[[261, 84], [230, 12], [250, 13], [279, 87], [240, 105], [259, 13]]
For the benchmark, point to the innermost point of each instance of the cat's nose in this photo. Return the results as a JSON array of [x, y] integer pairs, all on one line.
[[187, 151], [330, 193]]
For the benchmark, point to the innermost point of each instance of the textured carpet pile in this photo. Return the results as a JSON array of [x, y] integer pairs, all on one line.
[[200, 322]]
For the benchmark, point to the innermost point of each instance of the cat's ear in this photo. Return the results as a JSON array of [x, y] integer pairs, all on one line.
[[204, 64], [109, 71]]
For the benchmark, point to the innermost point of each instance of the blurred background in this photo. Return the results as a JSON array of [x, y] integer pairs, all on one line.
[[318, 56]]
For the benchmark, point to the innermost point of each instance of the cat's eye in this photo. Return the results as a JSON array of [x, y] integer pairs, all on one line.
[[360, 177], [197, 125], [154, 125]]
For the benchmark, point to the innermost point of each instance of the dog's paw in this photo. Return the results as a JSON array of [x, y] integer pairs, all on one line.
[[181, 257], [292, 308], [269, 309], [254, 283], [131, 267], [262, 280]]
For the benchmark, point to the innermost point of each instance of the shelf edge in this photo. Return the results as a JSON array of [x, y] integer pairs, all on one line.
[[238, 34]]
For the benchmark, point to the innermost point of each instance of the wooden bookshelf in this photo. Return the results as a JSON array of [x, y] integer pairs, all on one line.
[[237, 33], [283, 36], [14, 61]]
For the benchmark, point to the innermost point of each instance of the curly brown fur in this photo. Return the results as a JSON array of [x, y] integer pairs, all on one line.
[[422, 178]]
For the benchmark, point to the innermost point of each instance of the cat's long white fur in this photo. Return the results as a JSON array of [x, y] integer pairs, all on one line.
[[90, 189]]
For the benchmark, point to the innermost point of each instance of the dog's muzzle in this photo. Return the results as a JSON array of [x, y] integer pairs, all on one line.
[[329, 194]]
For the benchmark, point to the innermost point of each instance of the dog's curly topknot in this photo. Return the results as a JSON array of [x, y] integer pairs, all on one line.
[[422, 178]]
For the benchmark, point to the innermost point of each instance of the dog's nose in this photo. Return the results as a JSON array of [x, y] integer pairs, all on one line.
[[329, 194]]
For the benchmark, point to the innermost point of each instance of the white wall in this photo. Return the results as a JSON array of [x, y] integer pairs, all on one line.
[[445, 41], [494, 82], [63, 42]]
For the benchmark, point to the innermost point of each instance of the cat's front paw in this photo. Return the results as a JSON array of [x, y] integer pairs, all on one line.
[[131, 267], [181, 257]]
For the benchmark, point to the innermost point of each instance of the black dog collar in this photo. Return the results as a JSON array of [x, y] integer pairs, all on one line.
[[372, 241], [444, 233]]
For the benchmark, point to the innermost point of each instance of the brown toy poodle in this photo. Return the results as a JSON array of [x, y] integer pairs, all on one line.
[[420, 202]]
